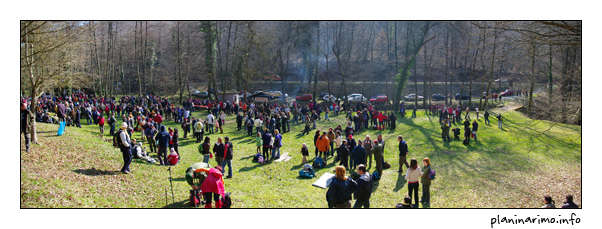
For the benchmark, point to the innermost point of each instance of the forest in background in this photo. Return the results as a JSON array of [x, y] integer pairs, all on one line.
[[113, 58]]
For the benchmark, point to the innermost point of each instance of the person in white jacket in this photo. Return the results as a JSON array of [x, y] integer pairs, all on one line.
[[210, 120], [412, 176], [124, 146]]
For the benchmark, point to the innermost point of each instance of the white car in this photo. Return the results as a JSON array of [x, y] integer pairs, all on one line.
[[357, 98], [329, 98], [413, 97]]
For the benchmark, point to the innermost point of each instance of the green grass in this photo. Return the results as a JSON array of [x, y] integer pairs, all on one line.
[[514, 167]]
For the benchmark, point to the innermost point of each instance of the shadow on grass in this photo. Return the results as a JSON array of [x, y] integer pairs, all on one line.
[[95, 172], [401, 182], [180, 204]]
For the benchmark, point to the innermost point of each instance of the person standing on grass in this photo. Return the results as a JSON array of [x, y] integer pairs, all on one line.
[[307, 126], [150, 136], [26, 117], [205, 150], [340, 190], [124, 146], [403, 152], [238, 121], [227, 158], [163, 138], [112, 122], [323, 145], [199, 130], [258, 124], [304, 153], [412, 176], [381, 141], [101, 124], [249, 125], [500, 121], [475, 127], [258, 142], [368, 145], [77, 118], [476, 111], [486, 115], [338, 140], [210, 120], [358, 155], [175, 137], [331, 137], [316, 136], [218, 151], [277, 144], [377, 150], [364, 188], [426, 181], [266, 137], [343, 154]]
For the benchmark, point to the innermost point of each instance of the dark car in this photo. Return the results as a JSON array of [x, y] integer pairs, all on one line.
[[507, 92], [304, 97], [464, 96], [437, 97]]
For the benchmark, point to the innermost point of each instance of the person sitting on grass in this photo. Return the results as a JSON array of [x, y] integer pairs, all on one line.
[[406, 203], [569, 202], [549, 202]]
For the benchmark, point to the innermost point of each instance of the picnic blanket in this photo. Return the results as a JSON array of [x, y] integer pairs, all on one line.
[[324, 180], [284, 157]]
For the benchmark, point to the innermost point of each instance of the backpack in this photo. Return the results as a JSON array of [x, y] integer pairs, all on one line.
[[318, 163], [432, 174], [117, 139], [375, 176], [306, 173], [226, 200], [256, 157]]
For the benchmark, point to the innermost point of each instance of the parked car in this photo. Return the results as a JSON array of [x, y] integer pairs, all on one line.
[[202, 94], [256, 92], [413, 97], [437, 97], [379, 99], [304, 97], [329, 98], [491, 95], [464, 96], [501, 81], [272, 77], [507, 92], [195, 92], [357, 98]]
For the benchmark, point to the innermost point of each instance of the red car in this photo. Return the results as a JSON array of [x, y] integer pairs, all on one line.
[[507, 92], [380, 99], [304, 97]]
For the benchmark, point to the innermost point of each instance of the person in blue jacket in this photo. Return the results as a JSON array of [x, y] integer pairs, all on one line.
[[163, 138], [359, 155]]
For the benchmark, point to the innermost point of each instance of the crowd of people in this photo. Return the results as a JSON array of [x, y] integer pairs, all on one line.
[[266, 123]]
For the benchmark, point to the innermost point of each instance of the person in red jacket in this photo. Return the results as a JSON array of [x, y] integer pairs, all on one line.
[[381, 119], [213, 184], [101, 124], [158, 120]]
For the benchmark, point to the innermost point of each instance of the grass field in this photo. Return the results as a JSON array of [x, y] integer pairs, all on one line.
[[510, 168]]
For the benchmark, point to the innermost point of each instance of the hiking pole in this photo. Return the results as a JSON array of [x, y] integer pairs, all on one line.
[[171, 184], [166, 197]]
